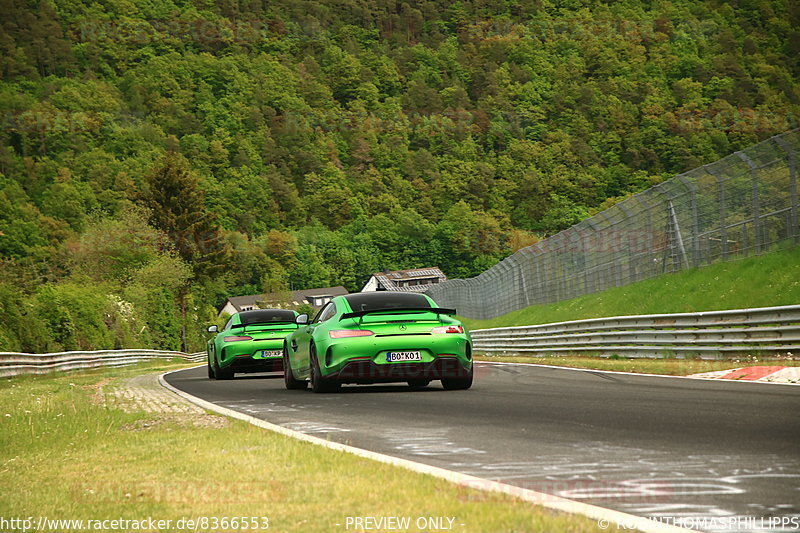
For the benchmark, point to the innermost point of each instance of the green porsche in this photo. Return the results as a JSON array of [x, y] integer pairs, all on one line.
[[251, 341], [378, 337]]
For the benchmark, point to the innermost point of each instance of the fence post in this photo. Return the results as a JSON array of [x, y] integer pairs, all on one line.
[[540, 276], [672, 260], [619, 242], [523, 266], [648, 217], [675, 234], [493, 282], [723, 228], [794, 231], [759, 239], [695, 219], [560, 270], [613, 252], [590, 254], [552, 275]]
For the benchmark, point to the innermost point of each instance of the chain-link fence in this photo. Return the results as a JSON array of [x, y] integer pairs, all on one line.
[[741, 205]]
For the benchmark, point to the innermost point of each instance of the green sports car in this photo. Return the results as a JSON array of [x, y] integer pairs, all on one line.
[[251, 341], [378, 337]]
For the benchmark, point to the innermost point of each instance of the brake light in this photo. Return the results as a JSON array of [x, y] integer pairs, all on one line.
[[448, 329], [236, 338], [344, 333]]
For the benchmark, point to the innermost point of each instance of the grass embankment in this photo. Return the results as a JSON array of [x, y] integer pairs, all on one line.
[[66, 455], [762, 281]]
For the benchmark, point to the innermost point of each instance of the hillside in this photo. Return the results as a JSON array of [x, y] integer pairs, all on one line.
[[157, 157]]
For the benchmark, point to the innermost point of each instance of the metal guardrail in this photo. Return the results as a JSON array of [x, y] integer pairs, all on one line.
[[14, 364], [714, 334]]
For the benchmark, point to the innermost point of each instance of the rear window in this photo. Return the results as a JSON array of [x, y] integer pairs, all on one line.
[[265, 316], [374, 301]]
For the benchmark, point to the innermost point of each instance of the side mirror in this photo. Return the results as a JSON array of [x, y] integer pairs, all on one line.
[[301, 319], [212, 329]]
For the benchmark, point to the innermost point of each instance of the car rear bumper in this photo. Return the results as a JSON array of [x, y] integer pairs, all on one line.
[[250, 364], [244, 354], [334, 354], [365, 371]]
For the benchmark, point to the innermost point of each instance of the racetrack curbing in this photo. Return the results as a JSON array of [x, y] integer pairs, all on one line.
[[760, 374]]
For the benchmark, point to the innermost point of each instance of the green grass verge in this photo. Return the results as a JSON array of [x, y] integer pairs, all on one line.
[[64, 456], [762, 281], [673, 367]]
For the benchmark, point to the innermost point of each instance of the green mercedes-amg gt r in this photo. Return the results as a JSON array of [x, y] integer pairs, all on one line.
[[251, 341], [378, 337]]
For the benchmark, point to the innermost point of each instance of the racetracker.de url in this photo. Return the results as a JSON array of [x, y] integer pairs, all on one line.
[[199, 523]]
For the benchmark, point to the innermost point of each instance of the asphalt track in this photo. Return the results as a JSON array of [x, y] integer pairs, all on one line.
[[648, 446]]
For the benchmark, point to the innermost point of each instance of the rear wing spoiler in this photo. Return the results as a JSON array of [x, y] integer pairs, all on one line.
[[437, 310], [280, 323]]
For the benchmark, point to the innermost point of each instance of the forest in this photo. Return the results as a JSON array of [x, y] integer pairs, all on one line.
[[157, 157]]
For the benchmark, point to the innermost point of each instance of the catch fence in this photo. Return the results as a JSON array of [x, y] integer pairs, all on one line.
[[744, 204]]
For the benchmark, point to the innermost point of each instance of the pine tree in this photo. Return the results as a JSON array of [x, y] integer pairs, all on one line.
[[178, 208]]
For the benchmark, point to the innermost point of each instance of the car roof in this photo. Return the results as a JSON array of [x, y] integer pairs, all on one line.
[[253, 311], [356, 299], [265, 312]]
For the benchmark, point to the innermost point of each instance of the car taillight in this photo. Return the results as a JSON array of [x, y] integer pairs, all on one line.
[[448, 329], [344, 333], [236, 338]]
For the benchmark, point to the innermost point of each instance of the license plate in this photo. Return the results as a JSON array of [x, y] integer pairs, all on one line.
[[271, 353], [393, 357]]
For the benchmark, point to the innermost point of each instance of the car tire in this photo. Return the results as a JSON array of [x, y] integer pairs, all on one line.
[[318, 383], [288, 376], [222, 373], [418, 383], [210, 369], [458, 383]]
